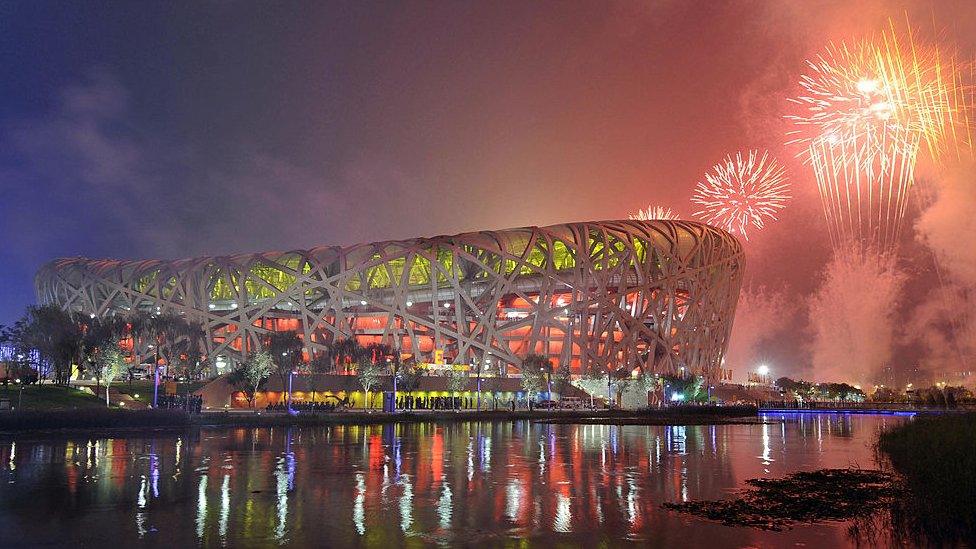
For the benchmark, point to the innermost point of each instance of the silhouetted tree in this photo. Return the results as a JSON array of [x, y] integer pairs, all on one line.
[[457, 381], [320, 364], [285, 349], [55, 336], [251, 375], [346, 351], [111, 365], [369, 375], [533, 370]]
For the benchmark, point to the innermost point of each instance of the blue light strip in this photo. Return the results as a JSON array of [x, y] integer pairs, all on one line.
[[841, 411]]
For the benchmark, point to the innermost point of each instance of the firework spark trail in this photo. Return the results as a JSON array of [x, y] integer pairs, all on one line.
[[864, 194], [741, 192], [869, 108], [654, 212]]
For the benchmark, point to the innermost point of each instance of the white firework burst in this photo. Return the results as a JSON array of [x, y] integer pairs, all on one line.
[[742, 192], [654, 212]]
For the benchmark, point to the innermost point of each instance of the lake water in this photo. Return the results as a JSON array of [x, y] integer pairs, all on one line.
[[479, 483]]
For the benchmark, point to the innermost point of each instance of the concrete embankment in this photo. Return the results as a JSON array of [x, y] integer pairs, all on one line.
[[106, 419]]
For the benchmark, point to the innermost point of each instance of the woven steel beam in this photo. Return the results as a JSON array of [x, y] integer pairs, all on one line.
[[656, 295]]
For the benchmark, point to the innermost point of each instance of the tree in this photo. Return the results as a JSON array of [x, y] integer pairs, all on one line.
[[645, 383], [376, 352], [787, 384], [51, 337], [561, 378], [187, 349], [250, 375], [798, 390], [346, 351], [408, 376], [101, 334], [111, 365], [841, 391], [320, 364], [886, 394], [286, 352], [369, 375], [139, 328], [691, 388], [533, 370], [457, 381], [171, 337]]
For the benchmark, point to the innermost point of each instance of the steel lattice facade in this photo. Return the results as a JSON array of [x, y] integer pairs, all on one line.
[[658, 295]]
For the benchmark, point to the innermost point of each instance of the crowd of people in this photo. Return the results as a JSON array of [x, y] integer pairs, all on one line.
[[309, 406], [410, 402], [189, 403]]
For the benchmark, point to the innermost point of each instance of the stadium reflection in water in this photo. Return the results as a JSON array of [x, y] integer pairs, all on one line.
[[472, 483]]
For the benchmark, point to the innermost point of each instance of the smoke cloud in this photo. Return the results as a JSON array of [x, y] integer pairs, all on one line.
[[853, 317], [944, 322], [761, 315]]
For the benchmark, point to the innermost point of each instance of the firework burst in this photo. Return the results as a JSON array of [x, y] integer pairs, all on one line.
[[868, 108], [742, 192], [654, 212]]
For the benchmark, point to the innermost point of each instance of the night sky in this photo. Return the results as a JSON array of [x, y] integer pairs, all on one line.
[[146, 129]]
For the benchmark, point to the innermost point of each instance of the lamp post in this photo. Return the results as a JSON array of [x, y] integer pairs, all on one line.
[[290, 374], [394, 361], [478, 366], [291, 371], [155, 376], [549, 382]]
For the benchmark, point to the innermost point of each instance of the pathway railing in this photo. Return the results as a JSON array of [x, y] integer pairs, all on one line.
[[768, 405]]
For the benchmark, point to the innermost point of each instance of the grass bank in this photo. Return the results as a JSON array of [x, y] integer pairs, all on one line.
[[49, 397], [936, 456]]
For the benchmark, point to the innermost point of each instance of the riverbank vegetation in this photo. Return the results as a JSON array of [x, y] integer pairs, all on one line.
[[936, 457]]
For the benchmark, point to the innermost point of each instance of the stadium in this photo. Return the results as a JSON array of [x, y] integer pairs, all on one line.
[[596, 296]]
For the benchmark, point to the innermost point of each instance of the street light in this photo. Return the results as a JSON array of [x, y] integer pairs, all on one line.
[[291, 372], [393, 368]]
